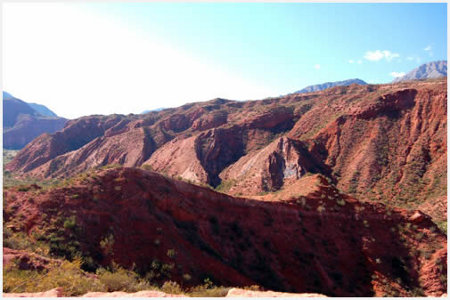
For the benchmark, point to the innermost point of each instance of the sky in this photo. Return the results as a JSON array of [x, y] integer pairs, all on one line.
[[102, 58]]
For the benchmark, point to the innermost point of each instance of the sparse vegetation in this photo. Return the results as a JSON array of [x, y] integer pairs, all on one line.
[[107, 244], [120, 279], [225, 186], [68, 275]]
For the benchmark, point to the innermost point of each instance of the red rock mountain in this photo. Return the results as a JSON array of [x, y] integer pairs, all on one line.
[[377, 142], [324, 242]]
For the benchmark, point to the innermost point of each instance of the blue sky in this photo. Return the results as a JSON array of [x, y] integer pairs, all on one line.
[[167, 54]]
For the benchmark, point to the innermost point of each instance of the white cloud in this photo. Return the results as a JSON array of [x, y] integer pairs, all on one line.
[[397, 74], [378, 55], [352, 61], [90, 63], [414, 57], [429, 50], [317, 66]]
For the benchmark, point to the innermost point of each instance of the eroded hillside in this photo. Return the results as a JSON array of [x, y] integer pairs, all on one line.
[[324, 241], [384, 143]]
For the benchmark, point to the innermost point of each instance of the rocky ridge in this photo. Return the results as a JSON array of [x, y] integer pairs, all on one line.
[[327, 85], [384, 143], [435, 69], [342, 247]]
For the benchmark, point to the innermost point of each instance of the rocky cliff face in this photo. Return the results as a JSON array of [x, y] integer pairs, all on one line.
[[392, 146], [323, 242], [281, 162], [377, 142]]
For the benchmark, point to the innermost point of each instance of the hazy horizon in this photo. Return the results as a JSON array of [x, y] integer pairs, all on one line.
[[105, 58]]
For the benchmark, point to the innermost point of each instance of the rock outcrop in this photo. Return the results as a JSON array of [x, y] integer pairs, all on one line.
[[234, 292], [241, 293], [57, 292], [282, 161], [26, 260]]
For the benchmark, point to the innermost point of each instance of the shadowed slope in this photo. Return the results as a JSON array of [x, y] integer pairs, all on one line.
[[324, 242]]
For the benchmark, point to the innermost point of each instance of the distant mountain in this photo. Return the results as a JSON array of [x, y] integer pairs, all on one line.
[[42, 109], [430, 70], [22, 121], [326, 85], [150, 110], [7, 96], [13, 108]]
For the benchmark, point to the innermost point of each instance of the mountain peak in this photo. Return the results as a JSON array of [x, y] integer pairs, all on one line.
[[326, 85], [7, 96], [434, 69], [23, 121]]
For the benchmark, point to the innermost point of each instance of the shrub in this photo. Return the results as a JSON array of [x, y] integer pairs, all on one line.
[[171, 253], [252, 288], [208, 289], [341, 202], [111, 166], [147, 167], [171, 287], [187, 277], [68, 276], [15, 240], [107, 244], [121, 280], [23, 188], [442, 226], [70, 223]]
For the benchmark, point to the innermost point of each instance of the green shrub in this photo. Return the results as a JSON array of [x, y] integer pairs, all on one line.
[[111, 166], [341, 202], [68, 276], [17, 240], [121, 280], [442, 226], [208, 289], [199, 291], [70, 223], [147, 167], [74, 281], [171, 253], [23, 188], [107, 244]]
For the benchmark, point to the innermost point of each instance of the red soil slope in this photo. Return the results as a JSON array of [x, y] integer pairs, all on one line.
[[377, 142], [324, 242]]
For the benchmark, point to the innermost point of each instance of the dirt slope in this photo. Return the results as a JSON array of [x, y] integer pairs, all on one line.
[[324, 242], [384, 143]]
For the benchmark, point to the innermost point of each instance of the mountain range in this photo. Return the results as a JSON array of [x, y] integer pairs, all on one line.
[[340, 191], [326, 85], [373, 141]]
